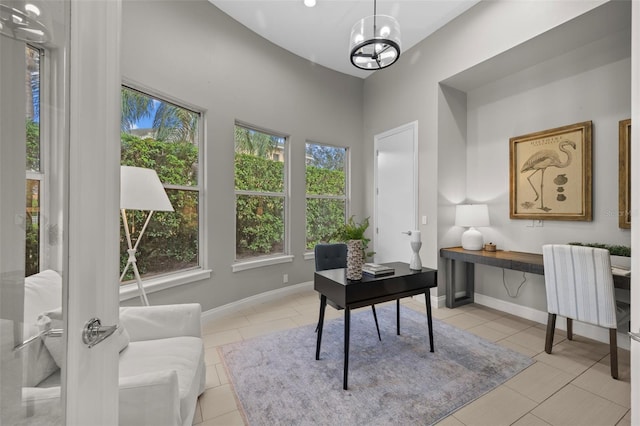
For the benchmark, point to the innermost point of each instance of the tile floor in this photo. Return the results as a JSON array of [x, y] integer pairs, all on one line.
[[572, 386]]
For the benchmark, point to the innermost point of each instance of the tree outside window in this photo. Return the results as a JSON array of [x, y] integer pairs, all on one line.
[[160, 135], [326, 192], [260, 188]]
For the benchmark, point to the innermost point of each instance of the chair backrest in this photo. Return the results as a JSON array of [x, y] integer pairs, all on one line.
[[579, 283], [330, 256]]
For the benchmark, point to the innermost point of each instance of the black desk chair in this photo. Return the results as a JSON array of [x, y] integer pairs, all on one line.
[[334, 256]]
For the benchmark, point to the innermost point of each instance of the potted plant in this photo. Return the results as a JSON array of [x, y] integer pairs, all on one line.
[[620, 255], [352, 233]]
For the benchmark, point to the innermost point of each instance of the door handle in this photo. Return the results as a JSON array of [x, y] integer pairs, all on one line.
[[408, 232], [51, 332], [94, 332], [635, 336]]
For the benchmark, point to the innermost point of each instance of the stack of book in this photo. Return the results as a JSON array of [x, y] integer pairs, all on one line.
[[376, 270]]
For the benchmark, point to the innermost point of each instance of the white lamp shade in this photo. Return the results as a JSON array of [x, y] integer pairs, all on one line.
[[141, 189], [472, 215]]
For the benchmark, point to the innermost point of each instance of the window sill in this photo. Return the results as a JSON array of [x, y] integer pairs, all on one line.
[[258, 263], [152, 285], [309, 255]]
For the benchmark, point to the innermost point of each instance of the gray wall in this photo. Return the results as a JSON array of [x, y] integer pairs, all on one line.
[[193, 52], [500, 70], [475, 70]]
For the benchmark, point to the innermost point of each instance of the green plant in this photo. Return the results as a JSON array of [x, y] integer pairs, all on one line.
[[615, 250], [351, 230]]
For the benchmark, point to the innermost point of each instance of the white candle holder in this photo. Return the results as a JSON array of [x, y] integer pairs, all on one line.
[[416, 263]]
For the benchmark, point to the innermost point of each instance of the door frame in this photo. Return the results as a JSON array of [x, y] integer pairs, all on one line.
[[93, 191], [413, 125], [635, 207]]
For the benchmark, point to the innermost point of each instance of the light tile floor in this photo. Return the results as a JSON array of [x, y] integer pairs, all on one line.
[[572, 386]]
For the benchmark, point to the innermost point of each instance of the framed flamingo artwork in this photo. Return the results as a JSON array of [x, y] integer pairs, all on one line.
[[550, 174]]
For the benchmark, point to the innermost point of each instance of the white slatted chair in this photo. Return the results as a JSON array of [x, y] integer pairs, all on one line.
[[579, 286]]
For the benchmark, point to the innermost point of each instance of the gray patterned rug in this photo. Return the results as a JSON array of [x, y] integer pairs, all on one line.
[[397, 381]]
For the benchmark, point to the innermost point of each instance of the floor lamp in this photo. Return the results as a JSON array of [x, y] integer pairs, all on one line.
[[140, 189]]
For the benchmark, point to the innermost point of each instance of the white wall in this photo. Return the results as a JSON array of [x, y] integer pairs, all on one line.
[[193, 52], [569, 89], [491, 42]]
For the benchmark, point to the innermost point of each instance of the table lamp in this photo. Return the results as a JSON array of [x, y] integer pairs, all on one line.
[[140, 189], [472, 215]]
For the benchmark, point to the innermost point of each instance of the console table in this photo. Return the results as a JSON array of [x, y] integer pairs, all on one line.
[[515, 260]]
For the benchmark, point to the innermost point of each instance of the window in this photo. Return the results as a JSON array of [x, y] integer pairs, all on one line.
[[34, 169], [326, 191], [261, 192], [161, 135]]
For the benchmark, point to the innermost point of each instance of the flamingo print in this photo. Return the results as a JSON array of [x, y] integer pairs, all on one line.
[[539, 162]]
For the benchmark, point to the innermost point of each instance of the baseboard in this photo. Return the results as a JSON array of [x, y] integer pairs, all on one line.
[[587, 330], [436, 301], [230, 308], [268, 296]]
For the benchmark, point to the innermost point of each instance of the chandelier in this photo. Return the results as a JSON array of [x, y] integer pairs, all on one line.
[[375, 42]]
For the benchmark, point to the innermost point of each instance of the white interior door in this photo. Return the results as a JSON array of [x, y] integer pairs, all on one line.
[[396, 194], [79, 115]]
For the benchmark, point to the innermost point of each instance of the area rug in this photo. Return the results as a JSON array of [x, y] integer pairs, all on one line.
[[396, 381]]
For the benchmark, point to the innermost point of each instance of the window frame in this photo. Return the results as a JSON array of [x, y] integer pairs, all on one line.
[[40, 175], [201, 271], [309, 254], [277, 258]]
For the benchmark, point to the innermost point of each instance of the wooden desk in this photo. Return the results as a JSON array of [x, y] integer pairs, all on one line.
[[333, 285], [515, 260]]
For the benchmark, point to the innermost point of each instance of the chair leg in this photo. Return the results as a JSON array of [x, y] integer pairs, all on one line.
[[613, 349], [375, 317], [569, 329], [551, 327]]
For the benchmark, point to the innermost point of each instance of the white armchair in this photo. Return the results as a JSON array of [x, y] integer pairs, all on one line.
[[165, 358], [161, 366]]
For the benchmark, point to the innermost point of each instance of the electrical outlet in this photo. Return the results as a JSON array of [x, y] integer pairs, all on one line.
[[285, 278]]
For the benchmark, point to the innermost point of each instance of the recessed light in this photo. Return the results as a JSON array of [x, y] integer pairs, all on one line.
[[309, 3]]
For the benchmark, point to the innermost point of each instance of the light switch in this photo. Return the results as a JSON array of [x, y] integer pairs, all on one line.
[[424, 220]]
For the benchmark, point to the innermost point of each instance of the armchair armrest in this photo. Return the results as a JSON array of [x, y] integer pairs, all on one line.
[[151, 398], [161, 322]]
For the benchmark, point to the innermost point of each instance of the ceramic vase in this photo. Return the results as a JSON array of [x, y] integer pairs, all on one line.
[[355, 260], [416, 263]]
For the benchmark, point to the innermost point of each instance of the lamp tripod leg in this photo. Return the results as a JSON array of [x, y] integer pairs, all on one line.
[[143, 294]]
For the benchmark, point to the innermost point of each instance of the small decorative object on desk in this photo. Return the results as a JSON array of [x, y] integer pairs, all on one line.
[[489, 247], [415, 264], [376, 270], [354, 260]]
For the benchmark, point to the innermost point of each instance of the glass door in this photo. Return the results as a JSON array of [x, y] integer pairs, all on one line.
[[59, 148]]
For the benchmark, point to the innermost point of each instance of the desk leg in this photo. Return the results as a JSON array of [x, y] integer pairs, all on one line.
[[323, 305], [450, 285], [427, 299], [451, 300], [398, 317], [347, 326]]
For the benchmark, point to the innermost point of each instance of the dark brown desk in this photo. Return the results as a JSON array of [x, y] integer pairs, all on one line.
[[515, 260], [332, 284]]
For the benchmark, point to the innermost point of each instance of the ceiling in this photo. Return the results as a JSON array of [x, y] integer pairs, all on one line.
[[321, 33]]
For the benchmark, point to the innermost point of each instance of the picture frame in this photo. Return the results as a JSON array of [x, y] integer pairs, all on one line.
[[550, 174], [624, 174]]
